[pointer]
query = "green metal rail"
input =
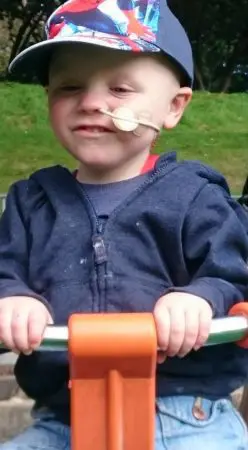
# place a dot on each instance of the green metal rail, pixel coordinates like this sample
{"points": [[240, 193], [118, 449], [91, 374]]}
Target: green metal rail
{"points": [[224, 330]]}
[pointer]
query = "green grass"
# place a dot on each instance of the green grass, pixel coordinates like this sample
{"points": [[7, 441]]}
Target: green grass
{"points": [[213, 130]]}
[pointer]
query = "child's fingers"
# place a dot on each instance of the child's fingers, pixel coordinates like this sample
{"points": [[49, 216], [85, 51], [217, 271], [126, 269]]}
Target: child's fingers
{"points": [[22, 323], [191, 332], [37, 322], [161, 357], [162, 321], [177, 331], [205, 318], [19, 329], [5, 328], [182, 323]]}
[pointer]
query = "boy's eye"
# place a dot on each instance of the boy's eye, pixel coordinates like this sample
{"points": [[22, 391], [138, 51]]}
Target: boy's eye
{"points": [[66, 89], [70, 88], [121, 89]]}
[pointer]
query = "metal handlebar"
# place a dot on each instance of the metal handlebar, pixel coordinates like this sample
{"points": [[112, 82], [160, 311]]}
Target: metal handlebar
{"points": [[113, 371], [224, 330]]}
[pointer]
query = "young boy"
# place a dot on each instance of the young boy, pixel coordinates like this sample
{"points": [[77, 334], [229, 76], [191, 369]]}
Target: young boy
{"points": [[116, 237]]}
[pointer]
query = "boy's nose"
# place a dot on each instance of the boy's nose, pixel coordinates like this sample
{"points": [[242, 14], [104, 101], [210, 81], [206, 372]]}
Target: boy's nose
{"points": [[91, 101]]}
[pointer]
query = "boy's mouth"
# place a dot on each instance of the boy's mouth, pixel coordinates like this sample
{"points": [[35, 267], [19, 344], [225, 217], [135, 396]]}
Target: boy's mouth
{"points": [[94, 129]]}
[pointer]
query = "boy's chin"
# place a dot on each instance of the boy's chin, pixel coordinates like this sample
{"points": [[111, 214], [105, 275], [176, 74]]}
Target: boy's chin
{"points": [[97, 157], [97, 164]]}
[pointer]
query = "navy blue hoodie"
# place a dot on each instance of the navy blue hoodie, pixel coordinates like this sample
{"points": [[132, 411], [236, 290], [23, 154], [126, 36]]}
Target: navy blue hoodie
{"points": [[179, 231]]}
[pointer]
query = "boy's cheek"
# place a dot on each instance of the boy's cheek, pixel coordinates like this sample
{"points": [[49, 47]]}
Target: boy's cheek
{"points": [[57, 111]]}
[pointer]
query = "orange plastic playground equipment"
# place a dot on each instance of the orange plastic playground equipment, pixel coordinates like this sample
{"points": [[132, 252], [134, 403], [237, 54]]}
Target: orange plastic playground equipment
{"points": [[112, 361], [112, 374]]}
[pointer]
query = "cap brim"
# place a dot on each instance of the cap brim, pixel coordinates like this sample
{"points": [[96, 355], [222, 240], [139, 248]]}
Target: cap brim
{"points": [[34, 61]]}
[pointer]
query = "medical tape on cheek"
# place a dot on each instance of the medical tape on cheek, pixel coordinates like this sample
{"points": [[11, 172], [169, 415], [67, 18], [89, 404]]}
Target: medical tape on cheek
{"points": [[126, 120]]}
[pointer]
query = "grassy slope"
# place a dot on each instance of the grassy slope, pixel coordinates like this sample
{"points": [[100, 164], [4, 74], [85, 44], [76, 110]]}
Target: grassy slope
{"points": [[214, 130]]}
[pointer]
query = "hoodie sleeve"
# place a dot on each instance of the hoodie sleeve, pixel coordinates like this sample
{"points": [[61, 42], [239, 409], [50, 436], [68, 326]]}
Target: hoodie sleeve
{"points": [[215, 248], [14, 261]]}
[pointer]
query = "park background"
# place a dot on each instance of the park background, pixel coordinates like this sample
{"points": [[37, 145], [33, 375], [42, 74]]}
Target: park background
{"points": [[215, 126]]}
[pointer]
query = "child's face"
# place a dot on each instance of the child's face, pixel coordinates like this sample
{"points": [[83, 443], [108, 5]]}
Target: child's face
{"points": [[80, 86]]}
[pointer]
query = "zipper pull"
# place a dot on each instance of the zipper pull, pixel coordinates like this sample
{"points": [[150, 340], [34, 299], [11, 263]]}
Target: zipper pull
{"points": [[99, 249]]}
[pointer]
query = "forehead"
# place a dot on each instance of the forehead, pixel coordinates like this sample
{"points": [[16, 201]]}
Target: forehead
{"points": [[89, 60]]}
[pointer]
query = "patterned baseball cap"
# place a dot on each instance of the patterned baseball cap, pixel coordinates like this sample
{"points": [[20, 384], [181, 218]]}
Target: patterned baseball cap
{"points": [[128, 25]]}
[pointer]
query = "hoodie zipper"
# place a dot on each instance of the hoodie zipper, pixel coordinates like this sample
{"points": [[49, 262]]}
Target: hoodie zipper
{"points": [[99, 247], [100, 263], [99, 255]]}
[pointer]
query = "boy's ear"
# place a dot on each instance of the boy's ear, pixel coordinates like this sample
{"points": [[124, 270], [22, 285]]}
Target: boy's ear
{"points": [[177, 107]]}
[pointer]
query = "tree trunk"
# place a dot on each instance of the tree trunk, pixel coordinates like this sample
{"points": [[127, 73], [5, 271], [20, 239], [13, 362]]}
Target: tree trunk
{"points": [[226, 84], [199, 78], [31, 29], [27, 22]]}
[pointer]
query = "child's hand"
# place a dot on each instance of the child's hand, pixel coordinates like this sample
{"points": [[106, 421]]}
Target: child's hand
{"points": [[182, 322], [22, 323]]}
